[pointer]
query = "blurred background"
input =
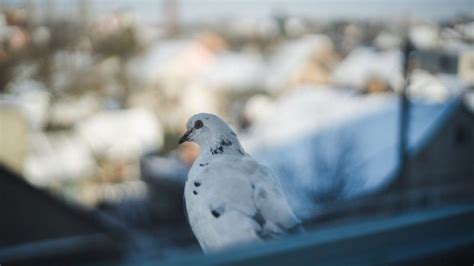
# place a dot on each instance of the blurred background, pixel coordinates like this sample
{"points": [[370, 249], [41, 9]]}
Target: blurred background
{"points": [[363, 109]]}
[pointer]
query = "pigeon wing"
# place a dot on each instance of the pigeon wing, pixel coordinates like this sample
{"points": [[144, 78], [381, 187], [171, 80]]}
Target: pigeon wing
{"points": [[271, 204]]}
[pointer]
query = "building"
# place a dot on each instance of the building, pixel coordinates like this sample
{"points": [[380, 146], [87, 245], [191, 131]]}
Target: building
{"points": [[36, 227]]}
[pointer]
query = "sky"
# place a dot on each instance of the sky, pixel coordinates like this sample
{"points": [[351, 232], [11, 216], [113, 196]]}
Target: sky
{"points": [[199, 10]]}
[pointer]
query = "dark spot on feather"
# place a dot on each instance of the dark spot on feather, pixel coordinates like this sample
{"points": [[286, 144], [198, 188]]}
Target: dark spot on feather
{"points": [[207, 118], [225, 142], [217, 150], [195, 192], [203, 164], [253, 186], [233, 134], [241, 152], [215, 213], [197, 184], [220, 149]]}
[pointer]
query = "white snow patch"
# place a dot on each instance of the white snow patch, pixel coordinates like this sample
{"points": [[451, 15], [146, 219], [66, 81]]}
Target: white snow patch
{"points": [[364, 63], [292, 56], [234, 71], [57, 157], [306, 110], [122, 135]]}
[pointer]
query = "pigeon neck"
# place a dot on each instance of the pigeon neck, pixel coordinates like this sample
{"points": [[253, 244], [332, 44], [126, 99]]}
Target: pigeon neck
{"points": [[226, 144]]}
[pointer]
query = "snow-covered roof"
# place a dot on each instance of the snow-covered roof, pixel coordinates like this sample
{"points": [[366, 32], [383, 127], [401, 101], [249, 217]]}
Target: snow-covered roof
{"points": [[435, 87], [291, 56], [57, 157], [32, 98], [147, 66], [387, 40], [305, 110], [235, 71], [353, 154], [122, 135], [365, 63], [183, 59], [425, 36], [69, 110]]}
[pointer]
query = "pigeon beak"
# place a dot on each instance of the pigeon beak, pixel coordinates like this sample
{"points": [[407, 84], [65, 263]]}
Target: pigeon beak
{"points": [[185, 137]]}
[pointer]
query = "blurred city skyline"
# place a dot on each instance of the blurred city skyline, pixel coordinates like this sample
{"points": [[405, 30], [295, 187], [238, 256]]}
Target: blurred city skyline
{"points": [[95, 94]]}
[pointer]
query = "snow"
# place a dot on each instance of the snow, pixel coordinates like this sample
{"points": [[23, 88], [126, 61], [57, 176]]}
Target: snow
{"points": [[233, 71], [57, 157], [292, 56], [305, 110], [387, 40], [68, 111], [425, 36], [351, 151], [365, 63], [32, 98], [258, 108], [149, 65], [176, 61], [436, 88], [122, 135], [468, 30]]}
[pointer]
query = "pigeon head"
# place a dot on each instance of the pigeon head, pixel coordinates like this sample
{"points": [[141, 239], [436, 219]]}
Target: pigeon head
{"points": [[210, 130]]}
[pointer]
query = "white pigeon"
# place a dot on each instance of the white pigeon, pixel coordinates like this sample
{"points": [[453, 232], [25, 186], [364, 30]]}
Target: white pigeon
{"points": [[231, 199]]}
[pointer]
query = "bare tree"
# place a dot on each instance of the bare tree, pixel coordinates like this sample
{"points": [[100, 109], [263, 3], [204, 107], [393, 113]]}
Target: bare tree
{"points": [[333, 160]]}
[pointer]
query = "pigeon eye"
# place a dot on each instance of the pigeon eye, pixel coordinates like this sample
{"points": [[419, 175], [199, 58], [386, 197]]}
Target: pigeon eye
{"points": [[198, 124]]}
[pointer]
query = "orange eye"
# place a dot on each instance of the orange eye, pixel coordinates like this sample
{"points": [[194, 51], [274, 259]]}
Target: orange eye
{"points": [[198, 124]]}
